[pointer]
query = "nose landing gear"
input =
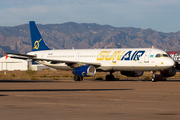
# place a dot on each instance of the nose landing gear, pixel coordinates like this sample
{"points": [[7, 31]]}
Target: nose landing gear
{"points": [[153, 76]]}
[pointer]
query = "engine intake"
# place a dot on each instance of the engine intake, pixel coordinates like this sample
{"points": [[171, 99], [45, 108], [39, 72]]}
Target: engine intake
{"points": [[85, 71], [132, 73], [169, 73]]}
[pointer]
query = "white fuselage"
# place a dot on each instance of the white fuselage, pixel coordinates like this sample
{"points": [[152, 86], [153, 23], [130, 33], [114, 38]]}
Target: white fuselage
{"points": [[125, 59]]}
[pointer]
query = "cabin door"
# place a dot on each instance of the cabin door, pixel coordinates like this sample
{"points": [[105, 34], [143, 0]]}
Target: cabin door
{"points": [[147, 55], [43, 55], [78, 56]]}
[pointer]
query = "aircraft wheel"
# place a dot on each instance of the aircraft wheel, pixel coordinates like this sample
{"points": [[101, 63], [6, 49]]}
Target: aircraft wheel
{"points": [[164, 79], [154, 80], [81, 78], [78, 78]]}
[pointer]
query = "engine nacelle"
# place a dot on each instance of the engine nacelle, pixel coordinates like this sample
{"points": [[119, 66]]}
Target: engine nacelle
{"points": [[132, 73], [85, 71], [169, 73]]}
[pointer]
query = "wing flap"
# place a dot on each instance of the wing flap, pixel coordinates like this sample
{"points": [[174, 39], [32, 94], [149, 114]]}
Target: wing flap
{"points": [[67, 62]]}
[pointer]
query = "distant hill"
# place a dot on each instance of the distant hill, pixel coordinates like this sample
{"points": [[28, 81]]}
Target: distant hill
{"points": [[86, 35]]}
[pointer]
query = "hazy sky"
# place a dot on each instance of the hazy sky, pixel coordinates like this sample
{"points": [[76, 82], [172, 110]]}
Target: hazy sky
{"points": [[161, 15]]}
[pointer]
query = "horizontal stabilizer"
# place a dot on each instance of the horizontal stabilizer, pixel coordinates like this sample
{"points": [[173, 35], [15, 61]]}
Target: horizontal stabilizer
{"points": [[24, 55], [16, 57]]}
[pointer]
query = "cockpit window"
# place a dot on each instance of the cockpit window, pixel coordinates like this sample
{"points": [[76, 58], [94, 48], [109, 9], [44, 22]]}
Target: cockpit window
{"points": [[161, 55], [158, 55], [165, 55]]}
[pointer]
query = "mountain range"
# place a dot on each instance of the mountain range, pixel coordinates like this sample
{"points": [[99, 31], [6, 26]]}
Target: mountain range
{"points": [[87, 35]]}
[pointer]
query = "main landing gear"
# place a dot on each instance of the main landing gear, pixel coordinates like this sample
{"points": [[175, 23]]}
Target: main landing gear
{"points": [[110, 77], [78, 78]]}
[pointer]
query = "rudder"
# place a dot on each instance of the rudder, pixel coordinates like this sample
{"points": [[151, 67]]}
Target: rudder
{"points": [[36, 38]]}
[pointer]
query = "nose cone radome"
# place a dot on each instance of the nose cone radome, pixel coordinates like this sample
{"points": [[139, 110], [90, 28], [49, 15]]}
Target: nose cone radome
{"points": [[170, 62]]}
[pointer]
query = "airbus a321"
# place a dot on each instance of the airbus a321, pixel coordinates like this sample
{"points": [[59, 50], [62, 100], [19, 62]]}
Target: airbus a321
{"points": [[85, 62]]}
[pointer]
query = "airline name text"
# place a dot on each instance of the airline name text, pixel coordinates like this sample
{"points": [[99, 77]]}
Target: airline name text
{"points": [[120, 55]]}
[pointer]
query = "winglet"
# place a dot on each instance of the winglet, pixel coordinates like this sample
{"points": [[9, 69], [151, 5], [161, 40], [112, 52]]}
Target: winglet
{"points": [[6, 56]]}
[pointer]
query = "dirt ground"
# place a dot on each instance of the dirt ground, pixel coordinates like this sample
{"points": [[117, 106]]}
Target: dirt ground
{"points": [[89, 100]]}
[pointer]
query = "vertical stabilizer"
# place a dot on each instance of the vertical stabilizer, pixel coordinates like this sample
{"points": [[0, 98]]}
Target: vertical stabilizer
{"points": [[36, 38]]}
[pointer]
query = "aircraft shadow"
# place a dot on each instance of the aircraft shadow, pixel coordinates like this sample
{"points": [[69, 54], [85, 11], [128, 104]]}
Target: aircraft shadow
{"points": [[127, 80], [54, 90], [130, 80], [26, 81], [3, 95], [169, 81]]}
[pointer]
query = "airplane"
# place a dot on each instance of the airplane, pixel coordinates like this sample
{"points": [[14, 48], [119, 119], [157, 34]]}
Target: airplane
{"points": [[175, 55], [85, 62]]}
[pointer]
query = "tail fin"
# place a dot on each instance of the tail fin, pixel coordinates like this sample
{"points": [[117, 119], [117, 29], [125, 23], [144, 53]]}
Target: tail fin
{"points": [[36, 39]]}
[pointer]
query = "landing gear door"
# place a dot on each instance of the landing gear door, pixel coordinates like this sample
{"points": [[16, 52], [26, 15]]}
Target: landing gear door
{"points": [[147, 55]]}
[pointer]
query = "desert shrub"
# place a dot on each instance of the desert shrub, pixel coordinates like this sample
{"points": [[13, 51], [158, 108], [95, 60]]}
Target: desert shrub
{"points": [[45, 75], [99, 78], [147, 78], [33, 78], [30, 73], [13, 75], [55, 78]]}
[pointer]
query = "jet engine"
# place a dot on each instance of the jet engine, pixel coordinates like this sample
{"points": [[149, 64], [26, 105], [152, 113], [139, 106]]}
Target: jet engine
{"points": [[132, 73], [85, 71], [169, 73]]}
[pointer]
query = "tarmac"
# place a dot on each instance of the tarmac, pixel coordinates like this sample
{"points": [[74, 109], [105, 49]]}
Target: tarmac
{"points": [[89, 100]]}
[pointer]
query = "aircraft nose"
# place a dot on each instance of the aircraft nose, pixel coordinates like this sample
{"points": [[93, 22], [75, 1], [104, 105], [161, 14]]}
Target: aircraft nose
{"points": [[170, 62]]}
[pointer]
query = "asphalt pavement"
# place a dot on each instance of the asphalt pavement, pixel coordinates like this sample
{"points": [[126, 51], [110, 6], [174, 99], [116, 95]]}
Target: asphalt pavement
{"points": [[89, 100]]}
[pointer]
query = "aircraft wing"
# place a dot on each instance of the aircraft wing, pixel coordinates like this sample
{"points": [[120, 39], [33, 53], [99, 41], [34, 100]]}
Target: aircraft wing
{"points": [[67, 62], [34, 57]]}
